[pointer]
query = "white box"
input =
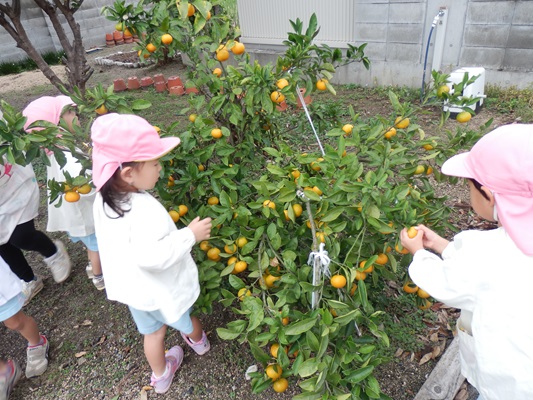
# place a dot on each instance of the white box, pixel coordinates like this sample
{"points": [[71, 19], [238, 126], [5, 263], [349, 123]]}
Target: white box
{"points": [[475, 89]]}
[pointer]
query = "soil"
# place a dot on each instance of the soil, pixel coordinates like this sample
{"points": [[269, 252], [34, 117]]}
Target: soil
{"points": [[95, 350]]}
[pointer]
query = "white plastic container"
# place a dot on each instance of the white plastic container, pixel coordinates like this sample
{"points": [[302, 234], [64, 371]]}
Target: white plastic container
{"points": [[475, 89]]}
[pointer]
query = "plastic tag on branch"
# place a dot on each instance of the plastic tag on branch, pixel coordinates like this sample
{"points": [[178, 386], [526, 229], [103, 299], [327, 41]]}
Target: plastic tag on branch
{"points": [[251, 369], [321, 259], [301, 195]]}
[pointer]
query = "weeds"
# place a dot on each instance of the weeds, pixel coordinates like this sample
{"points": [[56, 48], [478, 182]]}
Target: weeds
{"points": [[511, 101], [51, 58]]}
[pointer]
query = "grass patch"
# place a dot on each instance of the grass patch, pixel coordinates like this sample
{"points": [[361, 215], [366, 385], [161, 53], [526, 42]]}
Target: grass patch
{"points": [[51, 58], [512, 100]]}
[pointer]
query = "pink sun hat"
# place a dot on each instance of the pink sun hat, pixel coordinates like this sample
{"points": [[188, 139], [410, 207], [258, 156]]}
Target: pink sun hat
{"points": [[502, 160], [46, 108], [120, 138]]}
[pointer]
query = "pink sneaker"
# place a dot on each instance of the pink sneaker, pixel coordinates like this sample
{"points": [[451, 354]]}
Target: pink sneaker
{"points": [[200, 347], [174, 359], [9, 379]]}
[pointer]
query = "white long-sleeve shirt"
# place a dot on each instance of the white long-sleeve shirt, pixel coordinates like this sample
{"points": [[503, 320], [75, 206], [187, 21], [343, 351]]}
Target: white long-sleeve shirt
{"points": [[10, 284], [146, 260], [484, 273]]}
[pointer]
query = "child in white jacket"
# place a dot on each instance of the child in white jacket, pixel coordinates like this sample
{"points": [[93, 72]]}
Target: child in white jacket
{"points": [[146, 260], [488, 274]]}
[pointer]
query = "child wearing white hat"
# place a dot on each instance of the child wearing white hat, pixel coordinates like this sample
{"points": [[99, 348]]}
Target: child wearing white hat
{"points": [[488, 274]]}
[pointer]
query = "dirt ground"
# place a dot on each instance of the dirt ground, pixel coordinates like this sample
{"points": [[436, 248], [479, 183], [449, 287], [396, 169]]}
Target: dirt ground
{"points": [[95, 351]]}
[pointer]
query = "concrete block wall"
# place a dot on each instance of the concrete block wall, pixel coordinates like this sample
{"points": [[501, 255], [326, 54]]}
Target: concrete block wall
{"points": [[494, 34], [42, 34]]}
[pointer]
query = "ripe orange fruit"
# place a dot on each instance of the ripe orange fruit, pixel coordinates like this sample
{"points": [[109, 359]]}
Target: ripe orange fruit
{"points": [[429, 171], [412, 232], [182, 210], [242, 293], [222, 55], [119, 26], [270, 280], [241, 242], [410, 287], [232, 260], [230, 248], [368, 269], [213, 254], [72, 196], [151, 47], [212, 201], [166, 39], [295, 174], [426, 305], [217, 72], [285, 321], [238, 48], [317, 190], [216, 133], [321, 84], [314, 164], [274, 348], [280, 385], [240, 266], [286, 213], [353, 289], [174, 215], [360, 276], [273, 371], [428, 147], [201, 167], [390, 133], [298, 210], [281, 83], [419, 169], [270, 204], [443, 89], [170, 182], [463, 117], [192, 117], [347, 129], [382, 259], [321, 236], [401, 122], [190, 10], [85, 189], [400, 249], [338, 281], [204, 245], [208, 17], [277, 97], [422, 293], [101, 110]]}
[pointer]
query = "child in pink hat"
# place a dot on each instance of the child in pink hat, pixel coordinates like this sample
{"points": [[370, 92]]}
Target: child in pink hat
{"points": [[473, 271], [146, 260]]}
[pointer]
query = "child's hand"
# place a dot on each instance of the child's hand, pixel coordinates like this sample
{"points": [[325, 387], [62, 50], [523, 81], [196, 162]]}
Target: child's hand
{"points": [[432, 240], [412, 244], [201, 228]]}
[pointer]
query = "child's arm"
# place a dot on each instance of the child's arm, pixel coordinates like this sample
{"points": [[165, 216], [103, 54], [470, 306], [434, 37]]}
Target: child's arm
{"points": [[425, 239], [201, 228]]}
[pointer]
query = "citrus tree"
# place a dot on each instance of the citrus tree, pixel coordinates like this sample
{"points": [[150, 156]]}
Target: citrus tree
{"points": [[300, 239]]}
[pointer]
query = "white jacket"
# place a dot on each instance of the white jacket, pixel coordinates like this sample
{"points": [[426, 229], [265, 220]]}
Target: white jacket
{"points": [[19, 198], [10, 285], [146, 260], [74, 218], [484, 273]]}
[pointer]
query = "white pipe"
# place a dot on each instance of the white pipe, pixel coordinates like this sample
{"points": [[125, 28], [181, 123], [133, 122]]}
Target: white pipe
{"points": [[440, 36]]}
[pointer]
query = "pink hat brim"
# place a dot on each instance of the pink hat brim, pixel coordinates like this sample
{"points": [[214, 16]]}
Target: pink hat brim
{"points": [[458, 166]]}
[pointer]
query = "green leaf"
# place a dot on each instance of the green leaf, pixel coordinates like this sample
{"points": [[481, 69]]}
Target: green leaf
{"points": [[300, 327], [308, 367], [333, 214], [360, 374]]}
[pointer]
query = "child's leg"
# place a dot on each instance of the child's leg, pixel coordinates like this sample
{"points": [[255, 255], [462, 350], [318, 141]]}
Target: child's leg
{"points": [[18, 264], [26, 237], [154, 350], [197, 338], [197, 331], [26, 326], [94, 258]]}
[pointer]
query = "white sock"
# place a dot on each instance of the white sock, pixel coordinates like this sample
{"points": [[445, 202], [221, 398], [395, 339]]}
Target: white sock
{"points": [[166, 370]]}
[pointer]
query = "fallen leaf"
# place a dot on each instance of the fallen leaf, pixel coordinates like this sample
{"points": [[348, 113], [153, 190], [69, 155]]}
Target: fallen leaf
{"points": [[102, 340], [436, 352], [398, 353], [434, 337], [80, 354], [147, 388], [144, 395], [425, 358], [86, 323]]}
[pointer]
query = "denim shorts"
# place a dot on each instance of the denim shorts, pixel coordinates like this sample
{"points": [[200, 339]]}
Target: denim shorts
{"points": [[13, 306], [151, 321], [89, 241]]}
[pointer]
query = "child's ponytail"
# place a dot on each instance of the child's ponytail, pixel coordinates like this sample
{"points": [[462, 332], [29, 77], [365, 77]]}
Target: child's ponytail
{"points": [[115, 192]]}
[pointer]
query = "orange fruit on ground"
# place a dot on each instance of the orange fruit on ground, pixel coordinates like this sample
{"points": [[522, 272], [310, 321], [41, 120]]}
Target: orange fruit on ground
{"points": [[239, 267], [85, 189], [426, 305], [230, 248], [222, 55], [422, 293], [217, 72], [360, 276], [273, 371], [429, 171], [166, 38], [151, 47], [347, 129], [192, 117], [338, 281], [412, 232], [410, 287], [428, 147], [390, 133], [101, 110], [238, 48], [368, 269], [270, 204], [321, 84], [216, 133], [242, 293], [190, 10], [183, 209], [241, 242], [419, 169], [277, 97], [400, 249], [281, 83], [280, 385], [204, 245], [382, 259], [270, 280], [174, 215], [298, 210], [212, 201], [213, 254], [401, 122], [201, 167], [463, 117], [72, 196]]}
